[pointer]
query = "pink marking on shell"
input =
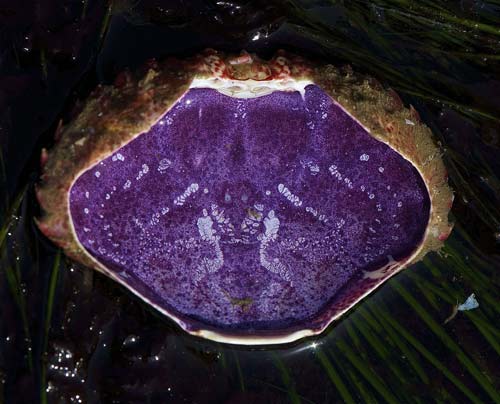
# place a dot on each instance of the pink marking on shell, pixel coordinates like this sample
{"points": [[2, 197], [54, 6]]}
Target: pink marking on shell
{"points": [[39, 195], [52, 230], [44, 156], [443, 236], [244, 58]]}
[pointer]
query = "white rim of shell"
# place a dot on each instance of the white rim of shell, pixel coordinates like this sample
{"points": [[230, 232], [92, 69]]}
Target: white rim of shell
{"points": [[251, 88]]}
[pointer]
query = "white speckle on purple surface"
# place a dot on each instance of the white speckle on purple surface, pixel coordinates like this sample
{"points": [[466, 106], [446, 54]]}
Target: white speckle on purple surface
{"points": [[118, 157], [164, 165], [289, 195], [144, 170], [180, 200]]}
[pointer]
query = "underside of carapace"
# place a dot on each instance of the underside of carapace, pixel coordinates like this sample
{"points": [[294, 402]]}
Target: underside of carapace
{"points": [[251, 201]]}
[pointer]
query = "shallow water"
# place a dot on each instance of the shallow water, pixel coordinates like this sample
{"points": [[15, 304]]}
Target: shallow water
{"points": [[67, 334]]}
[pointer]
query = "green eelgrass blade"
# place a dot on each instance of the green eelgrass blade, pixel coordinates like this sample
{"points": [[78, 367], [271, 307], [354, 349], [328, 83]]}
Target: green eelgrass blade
{"points": [[283, 390], [287, 380], [105, 22], [443, 15], [367, 373], [475, 278], [222, 357], [84, 9], [399, 343], [50, 296], [238, 369], [4, 230], [360, 349], [382, 64], [482, 211], [437, 329], [48, 320], [361, 389], [3, 177], [375, 343], [334, 376], [350, 374], [381, 313], [14, 282], [489, 333], [471, 274], [13, 275]]}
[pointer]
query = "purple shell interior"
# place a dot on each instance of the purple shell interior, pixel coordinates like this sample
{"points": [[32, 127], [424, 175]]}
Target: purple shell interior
{"points": [[249, 214]]}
